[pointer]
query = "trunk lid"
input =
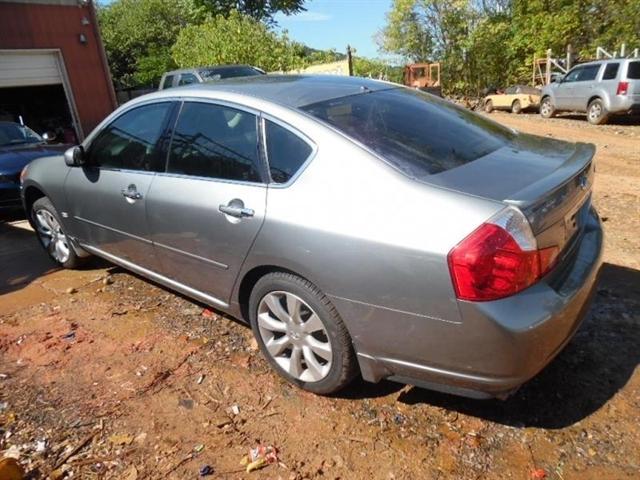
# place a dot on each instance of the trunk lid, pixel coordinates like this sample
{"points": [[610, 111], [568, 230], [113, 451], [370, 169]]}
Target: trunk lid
{"points": [[549, 180]]}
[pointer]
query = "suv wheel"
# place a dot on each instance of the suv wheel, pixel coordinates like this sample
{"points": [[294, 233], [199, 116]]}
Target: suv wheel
{"points": [[51, 235], [596, 112], [516, 107], [547, 110], [488, 106], [301, 334]]}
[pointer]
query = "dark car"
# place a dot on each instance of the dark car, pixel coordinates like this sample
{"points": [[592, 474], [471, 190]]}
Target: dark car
{"points": [[188, 76], [18, 146]]}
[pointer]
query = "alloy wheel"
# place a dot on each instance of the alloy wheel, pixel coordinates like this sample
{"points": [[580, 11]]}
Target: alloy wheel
{"points": [[595, 111], [51, 235], [294, 336]]}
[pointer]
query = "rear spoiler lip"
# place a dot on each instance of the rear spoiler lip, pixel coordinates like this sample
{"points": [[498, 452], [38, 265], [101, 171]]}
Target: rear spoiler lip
{"points": [[539, 201], [580, 158]]}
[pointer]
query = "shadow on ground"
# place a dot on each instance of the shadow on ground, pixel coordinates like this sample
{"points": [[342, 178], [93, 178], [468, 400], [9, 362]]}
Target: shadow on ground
{"points": [[596, 364]]}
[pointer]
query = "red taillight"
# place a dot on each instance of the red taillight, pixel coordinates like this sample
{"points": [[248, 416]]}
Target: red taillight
{"points": [[623, 88], [498, 259]]}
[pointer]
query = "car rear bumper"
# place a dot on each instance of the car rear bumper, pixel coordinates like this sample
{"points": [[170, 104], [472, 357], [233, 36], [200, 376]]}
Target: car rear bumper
{"points": [[499, 345]]}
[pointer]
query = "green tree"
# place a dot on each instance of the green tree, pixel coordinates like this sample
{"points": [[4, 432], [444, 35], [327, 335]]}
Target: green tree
{"points": [[138, 34], [236, 38], [262, 10]]}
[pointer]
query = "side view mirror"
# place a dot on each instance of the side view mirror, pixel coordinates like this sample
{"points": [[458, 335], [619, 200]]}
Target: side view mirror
{"points": [[74, 157], [49, 136]]}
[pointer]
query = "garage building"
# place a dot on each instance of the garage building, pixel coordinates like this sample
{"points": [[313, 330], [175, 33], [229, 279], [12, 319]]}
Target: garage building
{"points": [[54, 74]]}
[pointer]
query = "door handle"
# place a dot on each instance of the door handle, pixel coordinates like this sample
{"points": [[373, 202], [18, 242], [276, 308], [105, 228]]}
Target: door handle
{"points": [[131, 192], [236, 208]]}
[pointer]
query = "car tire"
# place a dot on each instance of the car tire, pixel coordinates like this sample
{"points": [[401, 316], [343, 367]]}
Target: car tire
{"points": [[488, 106], [547, 110], [597, 114], [46, 221], [310, 348], [516, 107]]}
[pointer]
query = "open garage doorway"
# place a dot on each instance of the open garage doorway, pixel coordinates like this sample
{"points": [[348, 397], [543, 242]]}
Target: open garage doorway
{"points": [[43, 108]]}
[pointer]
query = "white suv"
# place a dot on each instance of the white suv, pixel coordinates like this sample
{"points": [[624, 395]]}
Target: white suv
{"points": [[601, 89]]}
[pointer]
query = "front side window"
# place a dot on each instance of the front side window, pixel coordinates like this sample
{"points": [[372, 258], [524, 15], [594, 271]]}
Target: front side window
{"points": [[610, 71], [418, 133], [573, 75], [286, 152], [187, 79], [168, 82], [130, 141], [215, 141]]}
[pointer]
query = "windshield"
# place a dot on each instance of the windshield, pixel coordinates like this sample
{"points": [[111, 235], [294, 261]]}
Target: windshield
{"points": [[15, 134], [228, 72], [418, 133]]}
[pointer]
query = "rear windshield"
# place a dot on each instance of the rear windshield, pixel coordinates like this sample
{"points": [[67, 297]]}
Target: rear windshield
{"points": [[228, 72], [633, 71], [418, 133]]}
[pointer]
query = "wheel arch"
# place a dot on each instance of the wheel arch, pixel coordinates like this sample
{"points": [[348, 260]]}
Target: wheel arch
{"points": [[32, 193], [595, 97], [249, 280]]}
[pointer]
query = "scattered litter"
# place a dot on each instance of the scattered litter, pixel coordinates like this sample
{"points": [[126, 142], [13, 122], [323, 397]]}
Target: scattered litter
{"points": [[41, 446], [233, 410], [207, 313], [206, 470], [3, 376], [121, 439], [10, 469], [260, 457], [538, 474], [198, 448], [69, 336], [200, 379], [72, 290]]}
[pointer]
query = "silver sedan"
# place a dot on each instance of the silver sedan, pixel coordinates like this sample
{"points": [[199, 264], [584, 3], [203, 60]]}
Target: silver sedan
{"points": [[360, 227]]}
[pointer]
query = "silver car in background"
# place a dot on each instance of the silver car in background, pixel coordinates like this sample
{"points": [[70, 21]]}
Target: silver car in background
{"points": [[358, 226], [601, 89]]}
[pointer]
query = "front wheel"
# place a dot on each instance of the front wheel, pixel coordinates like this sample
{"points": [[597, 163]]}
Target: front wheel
{"points": [[301, 334], [547, 110], [51, 235], [596, 112], [488, 106], [516, 107]]}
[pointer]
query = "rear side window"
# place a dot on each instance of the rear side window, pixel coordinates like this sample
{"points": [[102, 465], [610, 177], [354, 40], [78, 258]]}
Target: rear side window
{"points": [[633, 71], [611, 71], [286, 152], [215, 141], [168, 82], [187, 79], [129, 142], [418, 133]]}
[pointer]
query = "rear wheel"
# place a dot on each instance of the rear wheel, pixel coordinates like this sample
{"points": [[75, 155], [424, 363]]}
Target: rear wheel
{"points": [[596, 112], [547, 110], [488, 106], [51, 235], [301, 334], [516, 107]]}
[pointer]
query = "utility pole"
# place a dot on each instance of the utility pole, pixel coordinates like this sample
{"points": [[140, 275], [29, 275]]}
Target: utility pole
{"points": [[350, 60]]}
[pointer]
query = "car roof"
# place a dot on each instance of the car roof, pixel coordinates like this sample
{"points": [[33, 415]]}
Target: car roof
{"points": [[208, 68], [289, 90], [605, 60]]}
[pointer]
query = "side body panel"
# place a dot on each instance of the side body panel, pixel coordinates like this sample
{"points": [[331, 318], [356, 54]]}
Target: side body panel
{"points": [[195, 242]]}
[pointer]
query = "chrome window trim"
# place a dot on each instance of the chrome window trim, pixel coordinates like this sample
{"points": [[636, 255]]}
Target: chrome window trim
{"points": [[314, 148]]}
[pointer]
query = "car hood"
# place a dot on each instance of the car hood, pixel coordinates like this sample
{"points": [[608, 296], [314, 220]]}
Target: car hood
{"points": [[13, 159]]}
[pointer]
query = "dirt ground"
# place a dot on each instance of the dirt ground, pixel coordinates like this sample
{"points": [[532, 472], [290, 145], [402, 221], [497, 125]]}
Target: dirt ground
{"points": [[104, 375]]}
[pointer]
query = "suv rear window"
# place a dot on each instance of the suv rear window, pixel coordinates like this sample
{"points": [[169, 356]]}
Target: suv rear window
{"points": [[633, 71], [418, 133]]}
